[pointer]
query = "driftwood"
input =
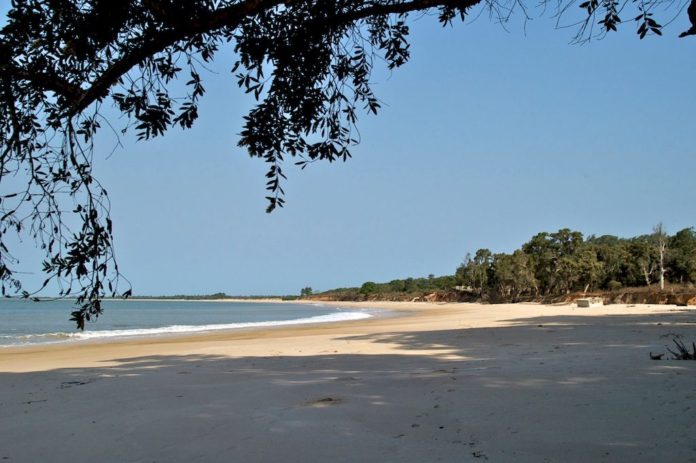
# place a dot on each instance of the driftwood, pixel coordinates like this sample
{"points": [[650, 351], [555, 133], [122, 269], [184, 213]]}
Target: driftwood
{"points": [[682, 351]]}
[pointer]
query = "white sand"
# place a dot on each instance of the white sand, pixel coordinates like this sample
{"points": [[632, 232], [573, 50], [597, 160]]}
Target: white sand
{"points": [[452, 383]]}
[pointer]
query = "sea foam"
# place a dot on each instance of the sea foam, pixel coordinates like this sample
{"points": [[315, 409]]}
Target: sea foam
{"points": [[175, 329]]}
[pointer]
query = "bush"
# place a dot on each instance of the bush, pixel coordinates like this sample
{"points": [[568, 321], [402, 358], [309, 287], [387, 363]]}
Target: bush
{"points": [[368, 287]]}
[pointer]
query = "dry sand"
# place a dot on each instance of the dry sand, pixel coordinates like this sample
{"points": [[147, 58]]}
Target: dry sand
{"points": [[447, 382]]}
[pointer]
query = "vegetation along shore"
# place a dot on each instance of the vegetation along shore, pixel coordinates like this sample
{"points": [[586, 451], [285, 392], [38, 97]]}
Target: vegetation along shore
{"points": [[556, 267]]}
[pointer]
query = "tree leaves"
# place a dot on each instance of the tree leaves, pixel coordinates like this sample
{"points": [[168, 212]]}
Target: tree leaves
{"points": [[647, 24], [308, 65]]}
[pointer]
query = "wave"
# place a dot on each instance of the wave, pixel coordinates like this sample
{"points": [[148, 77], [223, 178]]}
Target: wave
{"points": [[176, 329]]}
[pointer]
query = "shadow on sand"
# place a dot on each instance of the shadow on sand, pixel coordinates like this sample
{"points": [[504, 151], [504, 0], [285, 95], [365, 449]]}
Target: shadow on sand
{"points": [[540, 389]]}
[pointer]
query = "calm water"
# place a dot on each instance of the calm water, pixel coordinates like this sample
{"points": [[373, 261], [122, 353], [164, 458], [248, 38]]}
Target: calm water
{"points": [[26, 322]]}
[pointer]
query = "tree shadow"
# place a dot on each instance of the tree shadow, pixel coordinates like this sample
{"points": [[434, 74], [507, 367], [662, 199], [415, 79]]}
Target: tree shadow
{"points": [[576, 388]]}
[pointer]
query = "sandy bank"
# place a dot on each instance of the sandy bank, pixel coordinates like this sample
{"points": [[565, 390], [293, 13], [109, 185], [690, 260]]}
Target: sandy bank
{"points": [[446, 382]]}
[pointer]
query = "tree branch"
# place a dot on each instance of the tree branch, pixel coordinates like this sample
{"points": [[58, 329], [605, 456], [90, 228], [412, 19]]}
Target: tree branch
{"points": [[405, 7], [231, 16], [159, 40], [44, 80], [225, 17]]}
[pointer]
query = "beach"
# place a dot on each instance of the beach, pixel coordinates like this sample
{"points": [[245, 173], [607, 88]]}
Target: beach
{"points": [[433, 382]]}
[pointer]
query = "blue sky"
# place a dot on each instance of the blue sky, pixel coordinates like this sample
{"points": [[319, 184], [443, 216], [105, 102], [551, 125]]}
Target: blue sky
{"points": [[486, 137]]}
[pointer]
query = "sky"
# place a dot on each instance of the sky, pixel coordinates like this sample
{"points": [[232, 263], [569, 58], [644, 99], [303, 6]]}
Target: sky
{"points": [[486, 137]]}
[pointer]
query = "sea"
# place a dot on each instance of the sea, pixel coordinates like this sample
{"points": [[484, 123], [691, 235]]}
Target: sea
{"points": [[25, 322]]}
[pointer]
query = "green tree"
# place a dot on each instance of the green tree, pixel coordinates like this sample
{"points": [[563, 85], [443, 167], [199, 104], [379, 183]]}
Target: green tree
{"points": [[307, 291], [409, 285], [369, 287], [307, 63], [474, 271], [682, 256], [446, 283], [557, 262], [613, 254], [511, 277], [543, 258], [589, 268], [396, 286], [644, 260]]}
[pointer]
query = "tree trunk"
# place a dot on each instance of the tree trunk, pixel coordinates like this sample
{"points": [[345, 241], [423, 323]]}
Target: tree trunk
{"points": [[646, 274], [662, 267], [661, 247]]}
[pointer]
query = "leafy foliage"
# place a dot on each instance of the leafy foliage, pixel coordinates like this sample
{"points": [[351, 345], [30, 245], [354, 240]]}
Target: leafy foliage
{"points": [[405, 289], [552, 264], [548, 265], [307, 64]]}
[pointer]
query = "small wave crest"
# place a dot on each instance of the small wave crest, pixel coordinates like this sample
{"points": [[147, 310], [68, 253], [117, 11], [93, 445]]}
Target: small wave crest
{"points": [[31, 337], [176, 329]]}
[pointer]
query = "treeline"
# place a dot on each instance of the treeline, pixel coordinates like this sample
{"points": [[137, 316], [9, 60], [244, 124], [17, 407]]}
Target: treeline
{"points": [[559, 263], [554, 264], [408, 288]]}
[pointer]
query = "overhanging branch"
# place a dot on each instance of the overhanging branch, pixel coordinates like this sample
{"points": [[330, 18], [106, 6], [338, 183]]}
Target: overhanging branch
{"points": [[45, 80], [227, 17]]}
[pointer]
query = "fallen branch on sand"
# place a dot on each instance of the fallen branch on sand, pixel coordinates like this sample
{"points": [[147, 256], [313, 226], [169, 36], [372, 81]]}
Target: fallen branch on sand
{"points": [[683, 351]]}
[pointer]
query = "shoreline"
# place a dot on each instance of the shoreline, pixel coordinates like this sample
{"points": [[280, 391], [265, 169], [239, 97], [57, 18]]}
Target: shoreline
{"points": [[487, 316], [438, 382], [154, 334], [62, 348]]}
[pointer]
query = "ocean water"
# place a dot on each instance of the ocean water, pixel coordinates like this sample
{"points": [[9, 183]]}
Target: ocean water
{"points": [[25, 322]]}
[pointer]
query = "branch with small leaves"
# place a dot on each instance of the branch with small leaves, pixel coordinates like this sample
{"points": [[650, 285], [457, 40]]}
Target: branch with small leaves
{"points": [[308, 65]]}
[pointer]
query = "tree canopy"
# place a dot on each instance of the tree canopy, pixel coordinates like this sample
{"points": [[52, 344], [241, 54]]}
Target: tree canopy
{"points": [[307, 63], [552, 265]]}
